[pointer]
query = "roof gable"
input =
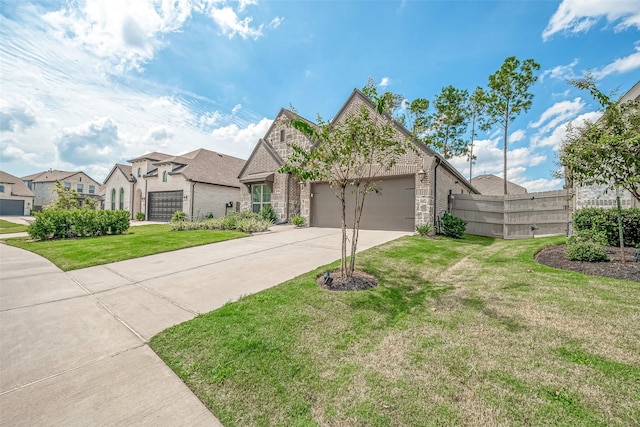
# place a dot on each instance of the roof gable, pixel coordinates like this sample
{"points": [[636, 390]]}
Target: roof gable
{"points": [[125, 170], [262, 146], [17, 185]]}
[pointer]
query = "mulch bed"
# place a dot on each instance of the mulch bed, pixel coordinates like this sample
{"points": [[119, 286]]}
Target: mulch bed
{"points": [[554, 256], [360, 281]]}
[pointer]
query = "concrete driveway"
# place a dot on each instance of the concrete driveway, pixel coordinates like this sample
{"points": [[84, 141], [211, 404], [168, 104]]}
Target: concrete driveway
{"points": [[73, 346]]}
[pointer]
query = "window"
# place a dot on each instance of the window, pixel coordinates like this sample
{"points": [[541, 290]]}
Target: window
{"points": [[260, 196], [282, 135], [121, 198], [92, 189], [165, 174], [139, 171], [80, 188], [1, 188], [67, 185], [113, 199]]}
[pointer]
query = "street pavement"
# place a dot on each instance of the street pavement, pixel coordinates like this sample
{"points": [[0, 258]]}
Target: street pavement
{"points": [[73, 346]]}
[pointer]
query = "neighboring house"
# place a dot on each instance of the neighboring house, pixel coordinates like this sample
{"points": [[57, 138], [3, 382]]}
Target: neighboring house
{"points": [[415, 191], [492, 185], [601, 195], [199, 183], [42, 184], [15, 197]]}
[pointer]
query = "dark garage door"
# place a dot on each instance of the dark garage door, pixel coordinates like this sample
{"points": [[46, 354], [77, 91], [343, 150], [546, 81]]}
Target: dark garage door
{"points": [[162, 204], [391, 209], [11, 207]]}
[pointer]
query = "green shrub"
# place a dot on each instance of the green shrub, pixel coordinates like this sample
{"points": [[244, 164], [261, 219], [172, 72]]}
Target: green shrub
{"points": [[587, 245], [453, 226], [64, 224], [606, 220], [268, 213], [298, 220], [424, 229], [140, 216], [178, 216], [245, 221]]}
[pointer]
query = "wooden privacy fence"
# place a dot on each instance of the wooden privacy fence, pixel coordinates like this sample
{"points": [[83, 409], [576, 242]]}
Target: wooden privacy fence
{"points": [[514, 216]]}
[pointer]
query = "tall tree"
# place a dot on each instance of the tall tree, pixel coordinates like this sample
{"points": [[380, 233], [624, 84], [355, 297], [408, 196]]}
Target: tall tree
{"points": [[449, 122], [350, 155], [606, 152], [509, 95], [476, 106]]}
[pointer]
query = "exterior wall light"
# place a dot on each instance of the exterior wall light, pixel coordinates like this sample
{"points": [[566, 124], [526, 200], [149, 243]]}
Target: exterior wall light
{"points": [[421, 175]]}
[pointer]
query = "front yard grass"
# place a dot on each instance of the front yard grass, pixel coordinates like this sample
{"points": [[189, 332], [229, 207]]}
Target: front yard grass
{"points": [[7, 227], [465, 332], [139, 241]]}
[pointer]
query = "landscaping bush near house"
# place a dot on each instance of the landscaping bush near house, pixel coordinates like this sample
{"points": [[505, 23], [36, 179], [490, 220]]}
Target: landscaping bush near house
{"points": [[607, 221], [178, 216], [424, 229], [244, 221], [140, 216], [587, 245], [64, 224], [453, 226], [268, 213], [298, 220]]}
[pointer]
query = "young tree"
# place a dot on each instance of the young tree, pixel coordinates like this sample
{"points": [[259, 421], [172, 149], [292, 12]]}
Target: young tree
{"points": [[476, 106], [509, 95], [449, 122], [350, 155], [66, 199], [607, 151]]}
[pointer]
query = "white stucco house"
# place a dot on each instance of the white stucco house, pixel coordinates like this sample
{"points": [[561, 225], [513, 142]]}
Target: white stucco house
{"points": [[199, 183]]}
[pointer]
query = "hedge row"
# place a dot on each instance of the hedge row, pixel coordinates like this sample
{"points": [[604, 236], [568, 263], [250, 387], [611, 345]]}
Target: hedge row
{"points": [[64, 224], [245, 221], [606, 220]]}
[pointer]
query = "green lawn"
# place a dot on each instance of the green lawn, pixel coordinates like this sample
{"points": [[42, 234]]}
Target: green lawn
{"points": [[459, 333], [7, 227], [139, 241]]}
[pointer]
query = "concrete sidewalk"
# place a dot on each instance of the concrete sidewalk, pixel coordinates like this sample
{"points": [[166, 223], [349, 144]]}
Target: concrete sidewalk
{"points": [[73, 345]]}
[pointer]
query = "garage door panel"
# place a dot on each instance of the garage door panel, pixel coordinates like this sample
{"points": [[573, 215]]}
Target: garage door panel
{"points": [[163, 204], [11, 207], [393, 208]]}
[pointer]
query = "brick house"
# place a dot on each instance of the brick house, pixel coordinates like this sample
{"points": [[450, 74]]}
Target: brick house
{"points": [[198, 183], [600, 195], [415, 191], [15, 196], [42, 184]]}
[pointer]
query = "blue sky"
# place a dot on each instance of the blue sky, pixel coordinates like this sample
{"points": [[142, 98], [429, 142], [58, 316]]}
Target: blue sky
{"points": [[88, 83]]}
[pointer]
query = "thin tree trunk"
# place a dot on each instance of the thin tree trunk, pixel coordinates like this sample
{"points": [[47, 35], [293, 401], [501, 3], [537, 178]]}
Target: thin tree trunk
{"points": [[506, 131], [473, 132], [343, 261], [620, 229], [356, 228]]}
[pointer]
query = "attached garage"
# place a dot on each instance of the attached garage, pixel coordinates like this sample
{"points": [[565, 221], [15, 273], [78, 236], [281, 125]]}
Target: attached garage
{"points": [[11, 207], [162, 205], [393, 208]]}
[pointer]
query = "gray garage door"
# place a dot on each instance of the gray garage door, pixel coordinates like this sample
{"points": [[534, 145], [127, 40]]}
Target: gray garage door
{"points": [[393, 208], [11, 207], [162, 204]]}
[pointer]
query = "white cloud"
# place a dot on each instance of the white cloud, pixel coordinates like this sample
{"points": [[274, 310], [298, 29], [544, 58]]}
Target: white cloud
{"points": [[235, 109], [490, 158], [620, 65], [276, 22], [84, 143], [240, 140], [231, 25], [555, 138], [575, 16], [384, 82], [517, 136], [557, 113], [561, 72], [541, 184]]}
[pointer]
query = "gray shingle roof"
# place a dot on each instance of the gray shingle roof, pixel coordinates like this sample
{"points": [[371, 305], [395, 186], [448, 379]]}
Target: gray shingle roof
{"points": [[154, 156], [492, 185], [17, 185], [207, 166]]}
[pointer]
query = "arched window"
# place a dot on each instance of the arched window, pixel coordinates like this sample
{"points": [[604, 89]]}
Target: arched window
{"points": [[165, 174], [113, 199], [138, 172], [121, 198]]}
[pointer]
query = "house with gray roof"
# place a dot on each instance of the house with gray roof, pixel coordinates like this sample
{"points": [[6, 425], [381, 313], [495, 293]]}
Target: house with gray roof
{"points": [[42, 185], [492, 185], [199, 183], [15, 196]]}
